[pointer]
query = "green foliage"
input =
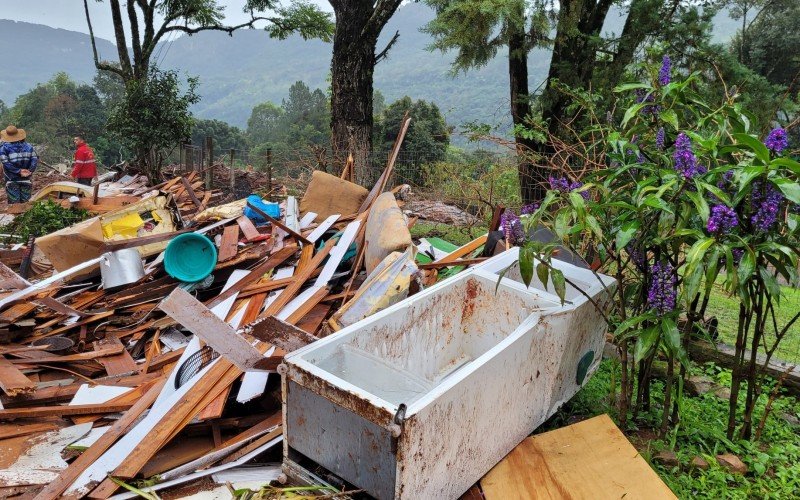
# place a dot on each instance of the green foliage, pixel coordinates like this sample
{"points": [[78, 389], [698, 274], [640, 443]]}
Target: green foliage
{"points": [[225, 136], [427, 138], [53, 113], [153, 117], [302, 121], [44, 217]]}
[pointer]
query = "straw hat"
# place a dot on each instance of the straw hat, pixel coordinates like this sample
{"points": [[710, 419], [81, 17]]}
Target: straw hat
{"points": [[12, 134]]}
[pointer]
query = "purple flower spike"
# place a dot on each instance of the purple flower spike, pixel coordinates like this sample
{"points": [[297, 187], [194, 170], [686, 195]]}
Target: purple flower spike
{"points": [[562, 184], [722, 220], [660, 139], [512, 228], [662, 294], [529, 209], [765, 201], [777, 141], [685, 160], [664, 72]]}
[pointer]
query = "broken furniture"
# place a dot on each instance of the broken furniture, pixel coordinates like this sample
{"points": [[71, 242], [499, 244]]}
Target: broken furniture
{"points": [[402, 395]]}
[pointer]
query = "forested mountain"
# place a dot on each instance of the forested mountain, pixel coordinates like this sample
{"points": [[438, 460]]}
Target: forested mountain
{"points": [[238, 72]]}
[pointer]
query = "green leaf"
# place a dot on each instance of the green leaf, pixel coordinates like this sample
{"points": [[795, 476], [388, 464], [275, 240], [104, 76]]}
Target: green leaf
{"points": [[591, 221], [500, 277], [792, 165], [631, 322], [542, 272], [755, 145], [701, 204], [526, 257], [746, 266], [696, 252], [656, 202], [645, 342], [626, 232], [631, 112], [559, 283], [672, 337], [773, 288], [669, 116], [625, 87], [790, 189]]}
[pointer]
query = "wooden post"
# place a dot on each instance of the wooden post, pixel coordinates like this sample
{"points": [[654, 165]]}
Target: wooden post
{"points": [[189, 159], [210, 161], [269, 172], [181, 154], [233, 174]]}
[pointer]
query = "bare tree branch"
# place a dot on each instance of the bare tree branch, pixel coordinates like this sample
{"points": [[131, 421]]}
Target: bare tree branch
{"points": [[382, 54], [97, 64]]}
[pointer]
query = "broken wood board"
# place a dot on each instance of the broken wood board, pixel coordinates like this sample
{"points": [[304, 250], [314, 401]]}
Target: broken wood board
{"points": [[12, 381], [590, 459], [36, 459], [229, 243]]}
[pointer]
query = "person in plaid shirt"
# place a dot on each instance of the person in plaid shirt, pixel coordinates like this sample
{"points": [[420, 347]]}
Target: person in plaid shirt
{"points": [[19, 161]]}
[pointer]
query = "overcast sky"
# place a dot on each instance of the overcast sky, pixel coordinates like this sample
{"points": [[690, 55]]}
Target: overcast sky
{"points": [[69, 14]]}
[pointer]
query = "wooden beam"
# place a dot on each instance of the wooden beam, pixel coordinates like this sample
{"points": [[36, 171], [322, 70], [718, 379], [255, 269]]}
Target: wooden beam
{"points": [[190, 192], [300, 278], [181, 306], [463, 250], [276, 222], [12, 381], [61, 411], [278, 333], [111, 246], [229, 244], [256, 274], [55, 488], [248, 229]]}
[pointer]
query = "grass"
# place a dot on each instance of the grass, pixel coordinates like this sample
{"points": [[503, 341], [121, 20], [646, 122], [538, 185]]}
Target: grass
{"points": [[773, 463], [726, 309], [455, 235]]}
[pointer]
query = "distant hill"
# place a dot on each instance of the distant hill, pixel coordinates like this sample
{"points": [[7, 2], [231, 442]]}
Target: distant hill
{"points": [[238, 72]]}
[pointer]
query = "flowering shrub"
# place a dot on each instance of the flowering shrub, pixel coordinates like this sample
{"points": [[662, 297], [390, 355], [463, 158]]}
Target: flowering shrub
{"points": [[691, 195]]}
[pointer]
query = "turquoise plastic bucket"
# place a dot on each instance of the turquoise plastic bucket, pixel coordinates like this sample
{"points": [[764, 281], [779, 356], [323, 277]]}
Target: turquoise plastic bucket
{"points": [[190, 257]]}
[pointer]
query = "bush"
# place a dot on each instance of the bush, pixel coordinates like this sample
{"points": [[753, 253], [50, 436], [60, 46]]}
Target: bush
{"points": [[44, 217]]}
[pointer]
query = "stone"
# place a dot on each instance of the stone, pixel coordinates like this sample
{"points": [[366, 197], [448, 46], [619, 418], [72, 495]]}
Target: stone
{"points": [[732, 463], [723, 393], [667, 458], [699, 463], [699, 384]]}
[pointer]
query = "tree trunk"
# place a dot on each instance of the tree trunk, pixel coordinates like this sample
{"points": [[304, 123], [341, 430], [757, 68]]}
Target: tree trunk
{"points": [[532, 178], [358, 25]]}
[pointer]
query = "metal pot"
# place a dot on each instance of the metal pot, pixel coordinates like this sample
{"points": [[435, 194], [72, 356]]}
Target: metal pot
{"points": [[121, 268]]}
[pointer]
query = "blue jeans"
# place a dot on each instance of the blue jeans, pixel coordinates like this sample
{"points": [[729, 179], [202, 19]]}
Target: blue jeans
{"points": [[18, 191]]}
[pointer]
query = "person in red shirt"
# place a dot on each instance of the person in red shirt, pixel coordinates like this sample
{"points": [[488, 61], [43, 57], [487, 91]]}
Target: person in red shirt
{"points": [[84, 168]]}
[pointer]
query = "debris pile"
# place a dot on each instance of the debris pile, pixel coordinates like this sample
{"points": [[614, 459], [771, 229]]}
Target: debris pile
{"points": [[140, 347]]}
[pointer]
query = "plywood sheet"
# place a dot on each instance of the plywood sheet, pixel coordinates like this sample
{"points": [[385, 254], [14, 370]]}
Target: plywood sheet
{"points": [[588, 460]]}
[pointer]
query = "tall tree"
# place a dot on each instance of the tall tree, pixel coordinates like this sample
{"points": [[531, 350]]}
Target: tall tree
{"points": [[358, 25], [478, 30], [149, 22]]}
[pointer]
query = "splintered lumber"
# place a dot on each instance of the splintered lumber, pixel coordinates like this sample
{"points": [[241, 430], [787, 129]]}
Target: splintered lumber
{"points": [[15, 430], [62, 411], [379, 186], [463, 250], [181, 306], [12, 381], [248, 229], [229, 243], [256, 274], [300, 278], [279, 333], [278, 223], [191, 193], [115, 364], [590, 459], [67, 477]]}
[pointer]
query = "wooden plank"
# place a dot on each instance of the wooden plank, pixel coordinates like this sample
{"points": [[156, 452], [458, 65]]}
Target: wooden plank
{"points": [[40, 357], [190, 192], [229, 244], [379, 186], [278, 333], [16, 430], [457, 262], [300, 278], [116, 364], [313, 320], [121, 426], [276, 222], [181, 306], [256, 274], [248, 229], [61, 411], [463, 250], [590, 459], [111, 246], [307, 305], [12, 381]]}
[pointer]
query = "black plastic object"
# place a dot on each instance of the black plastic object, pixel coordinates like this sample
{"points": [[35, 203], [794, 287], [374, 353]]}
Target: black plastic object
{"points": [[194, 364]]}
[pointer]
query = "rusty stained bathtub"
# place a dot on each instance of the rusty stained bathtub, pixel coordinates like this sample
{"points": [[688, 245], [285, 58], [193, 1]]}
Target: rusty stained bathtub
{"points": [[422, 399]]}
